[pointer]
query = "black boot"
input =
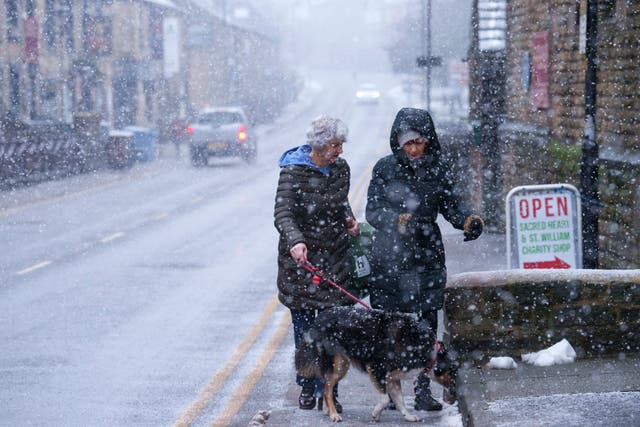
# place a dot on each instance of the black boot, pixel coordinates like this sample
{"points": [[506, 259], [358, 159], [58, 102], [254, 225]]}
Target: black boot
{"points": [[307, 399], [424, 399]]}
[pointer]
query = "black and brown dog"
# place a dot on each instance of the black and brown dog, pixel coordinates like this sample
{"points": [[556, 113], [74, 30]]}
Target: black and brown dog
{"points": [[388, 346]]}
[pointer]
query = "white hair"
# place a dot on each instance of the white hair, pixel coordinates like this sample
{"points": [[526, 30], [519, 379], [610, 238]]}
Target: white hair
{"points": [[323, 129]]}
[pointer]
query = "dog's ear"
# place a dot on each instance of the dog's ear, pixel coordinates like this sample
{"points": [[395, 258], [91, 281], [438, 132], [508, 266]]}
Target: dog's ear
{"points": [[446, 364], [445, 360], [445, 372]]}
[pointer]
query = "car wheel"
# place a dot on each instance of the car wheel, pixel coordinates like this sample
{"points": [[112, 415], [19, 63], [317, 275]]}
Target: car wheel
{"points": [[250, 156], [197, 157]]}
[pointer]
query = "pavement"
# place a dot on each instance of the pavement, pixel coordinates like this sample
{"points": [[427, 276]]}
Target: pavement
{"points": [[588, 392]]}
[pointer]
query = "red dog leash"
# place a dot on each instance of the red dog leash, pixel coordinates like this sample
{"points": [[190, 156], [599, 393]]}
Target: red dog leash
{"points": [[318, 277]]}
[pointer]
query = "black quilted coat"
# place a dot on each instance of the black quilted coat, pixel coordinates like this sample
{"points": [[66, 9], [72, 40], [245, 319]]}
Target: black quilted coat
{"points": [[312, 208], [409, 269]]}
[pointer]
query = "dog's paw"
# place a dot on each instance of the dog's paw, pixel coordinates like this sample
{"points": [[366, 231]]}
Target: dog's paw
{"points": [[412, 418], [336, 418], [375, 415]]}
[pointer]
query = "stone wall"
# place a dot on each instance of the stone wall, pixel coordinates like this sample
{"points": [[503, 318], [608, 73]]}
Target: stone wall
{"points": [[36, 151], [513, 312]]}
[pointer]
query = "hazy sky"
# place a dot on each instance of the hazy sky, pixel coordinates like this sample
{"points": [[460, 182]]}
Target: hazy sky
{"points": [[352, 34]]}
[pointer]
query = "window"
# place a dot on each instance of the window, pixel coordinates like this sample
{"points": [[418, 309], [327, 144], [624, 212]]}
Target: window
{"points": [[12, 20], [29, 8], [49, 30], [14, 88]]}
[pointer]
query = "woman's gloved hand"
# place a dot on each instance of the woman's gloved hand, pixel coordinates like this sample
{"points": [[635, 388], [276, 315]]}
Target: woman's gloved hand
{"points": [[353, 228], [473, 226], [299, 253], [403, 220]]}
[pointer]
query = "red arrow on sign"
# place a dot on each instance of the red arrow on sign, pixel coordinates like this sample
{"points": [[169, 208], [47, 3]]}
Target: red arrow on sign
{"points": [[556, 263]]}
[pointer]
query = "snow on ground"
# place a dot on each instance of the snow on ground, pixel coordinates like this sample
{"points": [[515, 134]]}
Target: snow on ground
{"points": [[502, 362], [559, 353]]}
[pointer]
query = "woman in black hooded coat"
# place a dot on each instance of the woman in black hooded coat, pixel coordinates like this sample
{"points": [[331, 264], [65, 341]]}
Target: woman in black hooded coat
{"points": [[408, 189]]}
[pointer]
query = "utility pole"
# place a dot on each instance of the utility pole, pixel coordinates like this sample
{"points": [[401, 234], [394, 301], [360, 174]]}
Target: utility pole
{"points": [[428, 54], [423, 44], [490, 58], [589, 163], [426, 60]]}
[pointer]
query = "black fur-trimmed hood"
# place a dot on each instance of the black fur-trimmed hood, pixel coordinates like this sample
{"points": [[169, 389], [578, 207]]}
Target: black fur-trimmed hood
{"points": [[419, 121]]}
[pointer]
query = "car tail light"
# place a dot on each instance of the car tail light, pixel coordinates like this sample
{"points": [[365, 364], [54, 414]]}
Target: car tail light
{"points": [[242, 133], [189, 130]]}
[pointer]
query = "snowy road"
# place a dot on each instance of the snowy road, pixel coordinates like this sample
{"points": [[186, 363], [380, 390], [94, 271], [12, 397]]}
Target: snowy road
{"points": [[145, 297]]}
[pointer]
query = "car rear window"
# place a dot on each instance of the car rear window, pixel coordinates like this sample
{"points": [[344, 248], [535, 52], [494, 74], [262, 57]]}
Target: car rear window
{"points": [[219, 118]]}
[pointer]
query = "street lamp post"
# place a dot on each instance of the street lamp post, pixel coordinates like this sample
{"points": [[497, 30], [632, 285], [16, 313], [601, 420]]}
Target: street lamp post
{"points": [[589, 163]]}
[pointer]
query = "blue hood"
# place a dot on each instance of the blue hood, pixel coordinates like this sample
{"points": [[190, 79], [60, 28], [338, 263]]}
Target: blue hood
{"points": [[300, 156]]}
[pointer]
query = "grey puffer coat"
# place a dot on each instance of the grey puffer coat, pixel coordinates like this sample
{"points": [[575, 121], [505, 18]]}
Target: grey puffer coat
{"points": [[409, 269], [312, 208]]}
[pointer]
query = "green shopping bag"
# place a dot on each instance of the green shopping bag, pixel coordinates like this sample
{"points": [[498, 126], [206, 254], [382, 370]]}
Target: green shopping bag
{"points": [[360, 252]]}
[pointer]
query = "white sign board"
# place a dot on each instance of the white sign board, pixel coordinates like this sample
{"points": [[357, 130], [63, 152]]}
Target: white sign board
{"points": [[544, 227], [171, 46]]}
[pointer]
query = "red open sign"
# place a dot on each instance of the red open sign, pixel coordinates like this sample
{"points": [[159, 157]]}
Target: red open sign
{"points": [[543, 227]]}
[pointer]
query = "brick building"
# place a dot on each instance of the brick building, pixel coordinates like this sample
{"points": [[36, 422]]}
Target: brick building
{"points": [[133, 62], [61, 57], [542, 127]]}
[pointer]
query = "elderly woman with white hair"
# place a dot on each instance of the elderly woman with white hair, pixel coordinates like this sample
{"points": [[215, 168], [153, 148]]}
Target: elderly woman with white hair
{"points": [[315, 222]]}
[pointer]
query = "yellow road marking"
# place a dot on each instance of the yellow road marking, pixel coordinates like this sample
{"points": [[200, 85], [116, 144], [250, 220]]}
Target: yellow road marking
{"points": [[33, 267], [241, 393], [214, 384], [159, 216], [114, 236], [359, 192], [356, 187]]}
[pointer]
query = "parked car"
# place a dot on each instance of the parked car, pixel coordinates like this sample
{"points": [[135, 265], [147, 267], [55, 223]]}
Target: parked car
{"points": [[221, 132], [367, 93]]}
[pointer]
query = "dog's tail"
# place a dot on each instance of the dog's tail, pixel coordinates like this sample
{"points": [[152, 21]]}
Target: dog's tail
{"points": [[307, 360]]}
